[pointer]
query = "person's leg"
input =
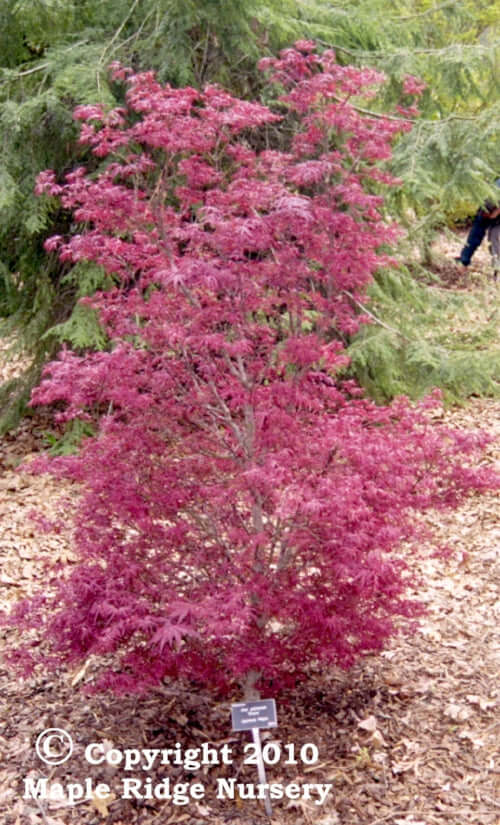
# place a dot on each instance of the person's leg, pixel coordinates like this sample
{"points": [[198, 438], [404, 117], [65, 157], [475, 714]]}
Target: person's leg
{"points": [[474, 238], [494, 239]]}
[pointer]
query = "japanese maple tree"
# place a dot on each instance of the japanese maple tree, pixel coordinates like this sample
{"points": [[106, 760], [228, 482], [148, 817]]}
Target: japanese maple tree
{"points": [[242, 507]]}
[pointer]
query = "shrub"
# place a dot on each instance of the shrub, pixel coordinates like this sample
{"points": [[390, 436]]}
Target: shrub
{"points": [[242, 508]]}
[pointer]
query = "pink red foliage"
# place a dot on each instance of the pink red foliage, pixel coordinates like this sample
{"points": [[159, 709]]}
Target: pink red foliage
{"points": [[242, 508]]}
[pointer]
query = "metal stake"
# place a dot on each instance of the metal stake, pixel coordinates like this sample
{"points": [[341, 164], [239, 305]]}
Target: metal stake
{"points": [[261, 770]]}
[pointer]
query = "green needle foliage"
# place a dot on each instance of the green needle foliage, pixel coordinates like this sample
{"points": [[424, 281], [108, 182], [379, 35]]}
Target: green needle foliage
{"points": [[426, 337]]}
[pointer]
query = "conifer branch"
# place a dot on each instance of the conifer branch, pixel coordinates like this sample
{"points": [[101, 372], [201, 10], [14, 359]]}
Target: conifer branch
{"points": [[41, 66], [369, 54], [425, 13]]}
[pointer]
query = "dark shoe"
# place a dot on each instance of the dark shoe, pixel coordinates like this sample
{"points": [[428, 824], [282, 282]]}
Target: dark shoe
{"points": [[459, 261]]}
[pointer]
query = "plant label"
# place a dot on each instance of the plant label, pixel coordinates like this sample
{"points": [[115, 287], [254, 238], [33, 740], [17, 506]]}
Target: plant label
{"points": [[248, 715]]}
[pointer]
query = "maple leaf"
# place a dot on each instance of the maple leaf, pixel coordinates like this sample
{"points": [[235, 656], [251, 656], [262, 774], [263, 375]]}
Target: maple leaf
{"points": [[170, 634]]}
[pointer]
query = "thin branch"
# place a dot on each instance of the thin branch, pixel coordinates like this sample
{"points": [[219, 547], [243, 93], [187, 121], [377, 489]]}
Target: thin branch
{"points": [[364, 53], [425, 13], [383, 116], [41, 66], [117, 32], [133, 36], [42, 811], [226, 415], [374, 317], [38, 68], [204, 60]]}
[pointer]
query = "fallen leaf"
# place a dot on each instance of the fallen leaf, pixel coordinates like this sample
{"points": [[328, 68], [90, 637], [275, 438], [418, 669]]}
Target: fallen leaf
{"points": [[457, 712], [377, 739], [330, 819], [101, 804], [410, 822], [80, 673], [203, 810], [483, 703], [476, 741], [369, 724]]}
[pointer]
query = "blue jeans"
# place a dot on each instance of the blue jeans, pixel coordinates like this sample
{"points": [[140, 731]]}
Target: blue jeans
{"points": [[475, 236]]}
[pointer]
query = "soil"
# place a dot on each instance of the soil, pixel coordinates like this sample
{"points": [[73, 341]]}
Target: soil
{"points": [[451, 274]]}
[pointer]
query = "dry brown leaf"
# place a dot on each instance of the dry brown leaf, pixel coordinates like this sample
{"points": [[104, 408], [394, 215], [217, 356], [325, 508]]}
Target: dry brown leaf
{"points": [[458, 713], [369, 724], [332, 818], [101, 804], [377, 740], [79, 674], [483, 703]]}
